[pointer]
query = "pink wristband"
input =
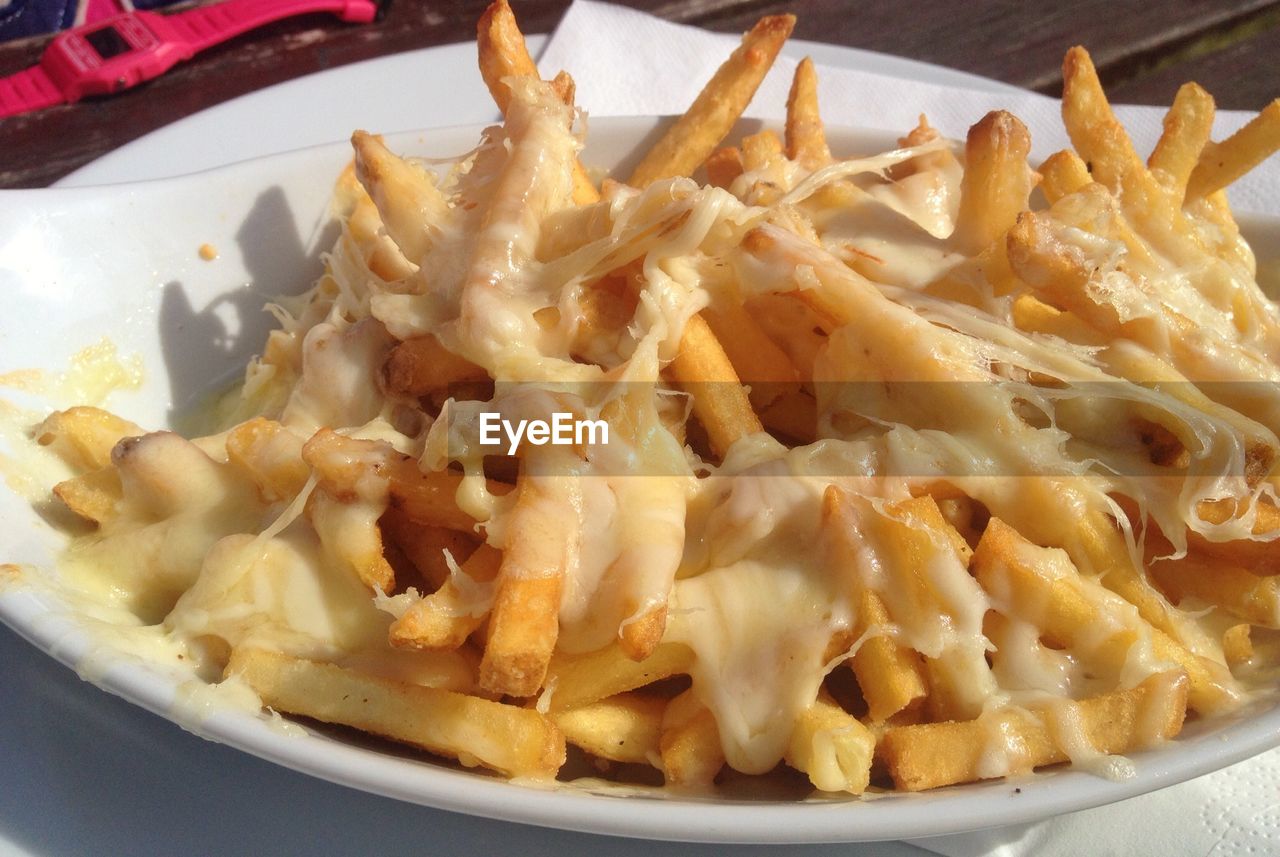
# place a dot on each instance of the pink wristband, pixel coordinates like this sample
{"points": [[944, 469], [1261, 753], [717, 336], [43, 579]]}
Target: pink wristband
{"points": [[31, 89], [206, 26], [124, 50]]}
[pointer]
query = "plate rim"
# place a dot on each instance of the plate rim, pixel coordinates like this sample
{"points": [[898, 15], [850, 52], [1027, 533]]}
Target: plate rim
{"points": [[123, 163], [954, 810]]}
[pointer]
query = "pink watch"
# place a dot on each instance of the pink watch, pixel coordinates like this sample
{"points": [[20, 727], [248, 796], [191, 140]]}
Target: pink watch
{"points": [[125, 50]]}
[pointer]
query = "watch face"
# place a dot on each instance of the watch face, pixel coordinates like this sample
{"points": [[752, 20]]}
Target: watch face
{"points": [[108, 42]]}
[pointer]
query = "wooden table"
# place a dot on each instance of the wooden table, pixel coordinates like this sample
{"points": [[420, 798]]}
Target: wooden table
{"points": [[1144, 50]]}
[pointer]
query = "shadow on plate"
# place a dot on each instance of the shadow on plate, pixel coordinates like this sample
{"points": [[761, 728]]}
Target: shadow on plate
{"points": [[207, 348]]}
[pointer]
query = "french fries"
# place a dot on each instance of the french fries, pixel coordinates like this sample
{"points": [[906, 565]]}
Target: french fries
{"points": [[1187, 126], [900, 494], [271, 455], [1097, 135], [503, 54], [623, 728], [83, 437], [1262, 557], [1075, 611], [350, 538], [719, 401], [541, 545], [723, 166], [690, 743], [578, 680], [93, 495], [502, 51], [997, 180], [348, 468], [1222, 163], [1252, 597], [930, 755], [417, 367], [428, 549], [833, 747], [806, 140], [764, 368], [1062, 174], [518, 742], [445, 618], [891, 676], [403, 193], [695, 135]]}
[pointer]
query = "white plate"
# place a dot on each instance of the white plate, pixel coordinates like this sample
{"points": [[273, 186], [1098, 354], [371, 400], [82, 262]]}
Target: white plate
{"points": [[80, 263], [427, 88]]}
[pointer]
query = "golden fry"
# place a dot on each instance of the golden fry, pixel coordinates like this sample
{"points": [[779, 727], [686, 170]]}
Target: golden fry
{"points": [[1259, 557], [1237, 646], [83, 437], [1040, 585], [724, 166], [503, 54], [1098, 136], [624, 728], [806, 140], [518, 742], [93, 496], [1254, 598], [719, 401], [690, 743], [930, 755], [1062, 174], [409, 204], [351, 539], [1222, 163], [641, 636], [890, 675], [541, 544], [1058, 273], [794, 415], [833, 747], [760, 150], [425, 546], [695, 135], [1032, 314], [1187, 126], [271, 455], [583, 679], [763, 367], [345, 467], [997, 180], [502, 51], [420, 366], [445, 618], [366, 229]]}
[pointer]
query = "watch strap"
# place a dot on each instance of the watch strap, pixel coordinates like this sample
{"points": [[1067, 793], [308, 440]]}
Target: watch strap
{"points": [[180, 36], [206, 26], [29, 89]]}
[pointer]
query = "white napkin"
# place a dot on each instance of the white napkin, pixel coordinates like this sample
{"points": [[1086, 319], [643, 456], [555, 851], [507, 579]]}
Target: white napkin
{"points": [[628, 63], [1235, 811]]}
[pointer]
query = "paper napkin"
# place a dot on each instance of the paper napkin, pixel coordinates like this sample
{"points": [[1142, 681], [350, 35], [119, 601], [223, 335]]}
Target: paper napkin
{"points": [[1235, 811]]}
